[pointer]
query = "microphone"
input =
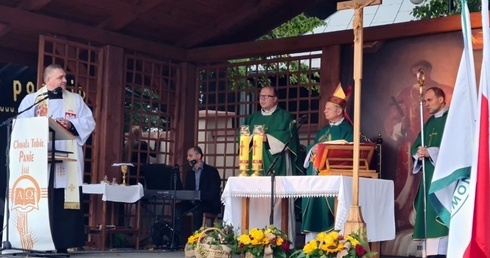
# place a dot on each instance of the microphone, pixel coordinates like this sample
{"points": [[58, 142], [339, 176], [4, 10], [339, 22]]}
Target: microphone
{"points": [[301, 120], [58, 90], [192, 162]]}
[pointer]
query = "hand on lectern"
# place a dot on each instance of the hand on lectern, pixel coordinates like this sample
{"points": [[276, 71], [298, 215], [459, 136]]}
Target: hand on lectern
{"points": [[65, 123]]}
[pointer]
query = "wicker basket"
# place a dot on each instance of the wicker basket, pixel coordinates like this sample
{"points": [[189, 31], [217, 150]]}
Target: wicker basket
{"points": [[204, 250], [189, 252]]}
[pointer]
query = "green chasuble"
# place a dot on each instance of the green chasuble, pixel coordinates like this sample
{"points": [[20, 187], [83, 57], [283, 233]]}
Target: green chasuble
{"points": [[433, 130], [318, 212], [280, 126]]}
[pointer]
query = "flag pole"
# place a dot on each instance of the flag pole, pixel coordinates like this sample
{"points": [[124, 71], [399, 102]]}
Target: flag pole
{"points": [[421, 82]]}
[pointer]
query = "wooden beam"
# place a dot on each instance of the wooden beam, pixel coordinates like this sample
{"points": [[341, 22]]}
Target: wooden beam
{"points": [[344, 5], [122, 18], [32, 5], [27, 21], [314, 42]]}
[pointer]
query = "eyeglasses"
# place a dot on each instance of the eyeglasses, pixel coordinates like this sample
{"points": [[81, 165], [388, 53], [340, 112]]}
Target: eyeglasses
{"points": [[265, 96]]}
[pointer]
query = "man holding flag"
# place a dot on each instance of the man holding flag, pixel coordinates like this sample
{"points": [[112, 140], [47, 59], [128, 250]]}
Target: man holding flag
{"points": [[426, 151]]}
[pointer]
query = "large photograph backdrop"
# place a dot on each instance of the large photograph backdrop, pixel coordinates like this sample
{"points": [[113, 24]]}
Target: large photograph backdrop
{"points": [[390, 92]]}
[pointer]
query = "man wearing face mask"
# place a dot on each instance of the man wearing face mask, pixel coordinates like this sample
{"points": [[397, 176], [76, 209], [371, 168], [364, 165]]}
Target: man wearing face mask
{"points": [[318, 212], [69, 109], [437, 232]]}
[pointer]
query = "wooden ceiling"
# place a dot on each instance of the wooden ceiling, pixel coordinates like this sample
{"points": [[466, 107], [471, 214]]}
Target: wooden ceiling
{"points": [[165, 27]]}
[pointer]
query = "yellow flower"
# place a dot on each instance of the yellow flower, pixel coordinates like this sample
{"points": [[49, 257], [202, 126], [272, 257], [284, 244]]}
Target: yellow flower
{"points": [[257, 237], [310, 247], [279, 241], [352, 240], [332, 248], [244, 239], [321, 236], [193, 239]]}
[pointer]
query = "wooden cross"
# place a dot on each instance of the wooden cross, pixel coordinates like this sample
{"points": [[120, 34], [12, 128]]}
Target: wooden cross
{"points": [[434, 133], [355, 221]]}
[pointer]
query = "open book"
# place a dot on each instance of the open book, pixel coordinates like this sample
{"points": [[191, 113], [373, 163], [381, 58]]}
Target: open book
{"points": [[59, 153]]}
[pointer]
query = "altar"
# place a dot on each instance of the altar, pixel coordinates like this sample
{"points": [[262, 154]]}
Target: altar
{"points": [[376, 198]]}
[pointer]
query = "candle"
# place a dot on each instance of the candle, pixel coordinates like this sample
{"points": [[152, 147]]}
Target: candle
{"points": [[258, 143], [244, 150]]}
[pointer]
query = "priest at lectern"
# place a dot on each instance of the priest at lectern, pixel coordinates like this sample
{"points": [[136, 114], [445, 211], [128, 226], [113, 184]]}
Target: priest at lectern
{"points": [[69, 109], [318, 212]]}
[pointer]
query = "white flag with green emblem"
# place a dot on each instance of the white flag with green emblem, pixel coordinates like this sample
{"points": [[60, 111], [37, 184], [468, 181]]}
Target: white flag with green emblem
{"points": [[453, 165]]}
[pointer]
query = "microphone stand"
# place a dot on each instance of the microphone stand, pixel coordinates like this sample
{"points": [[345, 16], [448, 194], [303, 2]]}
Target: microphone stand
{"points": [[175, 172], [6, 245], [271, 171]]}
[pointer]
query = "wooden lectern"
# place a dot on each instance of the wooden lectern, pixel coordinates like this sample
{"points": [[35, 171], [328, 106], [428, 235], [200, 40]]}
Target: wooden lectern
{"points": [[336, 159]]}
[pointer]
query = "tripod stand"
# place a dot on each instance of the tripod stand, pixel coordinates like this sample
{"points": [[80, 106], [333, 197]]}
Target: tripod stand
{"points": [[6, 244]]}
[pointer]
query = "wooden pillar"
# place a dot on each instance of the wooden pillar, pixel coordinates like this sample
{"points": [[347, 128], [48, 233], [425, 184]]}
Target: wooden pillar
{"points": [[111, 114], [187, 113], [109, 126]]}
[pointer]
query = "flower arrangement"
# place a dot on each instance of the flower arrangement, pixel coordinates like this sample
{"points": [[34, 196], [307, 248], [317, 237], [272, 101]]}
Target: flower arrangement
{"points": [[264, 242], [334, 245]]}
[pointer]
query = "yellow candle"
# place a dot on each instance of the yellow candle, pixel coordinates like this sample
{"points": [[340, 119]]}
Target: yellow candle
{"points": [[258, 142], [244, 150]]}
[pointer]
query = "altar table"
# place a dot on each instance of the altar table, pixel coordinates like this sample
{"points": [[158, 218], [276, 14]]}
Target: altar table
{"points": [[115, 193], [376, 198]]}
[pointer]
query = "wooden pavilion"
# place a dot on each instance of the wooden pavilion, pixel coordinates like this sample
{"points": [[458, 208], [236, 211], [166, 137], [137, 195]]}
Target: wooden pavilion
{"points": [[164, 65]]}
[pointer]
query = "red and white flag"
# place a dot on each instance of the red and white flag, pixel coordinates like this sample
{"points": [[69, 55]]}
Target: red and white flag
{"points": [[479, 241]]}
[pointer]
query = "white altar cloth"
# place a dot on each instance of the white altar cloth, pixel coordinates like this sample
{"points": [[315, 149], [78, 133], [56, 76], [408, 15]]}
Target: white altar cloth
{"points": [[376, 198], [115, 193]]}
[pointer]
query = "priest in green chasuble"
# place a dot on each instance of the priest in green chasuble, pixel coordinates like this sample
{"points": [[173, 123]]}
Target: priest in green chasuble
{"points": [[437, 232], [318, 212], [278, 127]]}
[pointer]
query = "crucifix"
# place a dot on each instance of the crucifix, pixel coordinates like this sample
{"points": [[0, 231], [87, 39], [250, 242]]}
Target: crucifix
{"points": [[433, 134], [355, 221]]}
